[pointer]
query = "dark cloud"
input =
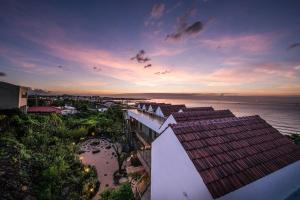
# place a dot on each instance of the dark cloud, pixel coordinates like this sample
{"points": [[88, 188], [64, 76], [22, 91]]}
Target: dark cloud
{"points": [[140, 57], [97, 68], [194, 28], [295, 45], [183, 28], [163, 72], [157, 10], [147, 66], [2, 74]]}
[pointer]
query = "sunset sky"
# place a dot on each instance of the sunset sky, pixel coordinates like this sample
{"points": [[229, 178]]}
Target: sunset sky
{"points": [[104, 47]]}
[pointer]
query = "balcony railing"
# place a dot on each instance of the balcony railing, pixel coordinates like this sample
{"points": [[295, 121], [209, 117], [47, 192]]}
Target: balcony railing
{"points": [[143, 187], [145, 158]]}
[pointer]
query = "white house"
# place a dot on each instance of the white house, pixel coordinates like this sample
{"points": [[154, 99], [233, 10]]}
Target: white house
{"points": [[181, 117], [165, 110], [13, 96], [152, 107], [241, 158]]}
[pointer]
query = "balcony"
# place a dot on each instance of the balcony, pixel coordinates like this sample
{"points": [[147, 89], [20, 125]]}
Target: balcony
{"points": [[149, 120], [144, 156]]}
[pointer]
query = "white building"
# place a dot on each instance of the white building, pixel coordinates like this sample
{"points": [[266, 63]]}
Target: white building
{"points": [[225, 159], [13, 96]]}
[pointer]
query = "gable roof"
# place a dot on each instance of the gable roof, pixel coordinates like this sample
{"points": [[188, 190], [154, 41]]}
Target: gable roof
{"points": [[230, 153], [198, 109], [201, 115], [169, 109], [155, 105]]}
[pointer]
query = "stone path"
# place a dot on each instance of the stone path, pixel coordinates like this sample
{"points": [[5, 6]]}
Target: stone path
{"points": [[104, 161]]}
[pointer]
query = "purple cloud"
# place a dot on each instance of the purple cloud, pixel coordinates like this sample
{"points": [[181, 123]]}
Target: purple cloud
{"points": [[292, 46], [157, 10]]}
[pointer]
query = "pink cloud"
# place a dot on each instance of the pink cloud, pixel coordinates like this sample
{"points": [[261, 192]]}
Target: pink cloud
{"points": [[253, 43]]}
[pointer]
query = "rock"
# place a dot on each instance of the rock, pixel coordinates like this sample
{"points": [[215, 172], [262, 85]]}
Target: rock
{"points": [[94, 143], [123, 180], [81, 152], [96, 151]]}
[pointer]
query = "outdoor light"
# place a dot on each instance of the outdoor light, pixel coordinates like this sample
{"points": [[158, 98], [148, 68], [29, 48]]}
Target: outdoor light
{"points": [[86, 169]]}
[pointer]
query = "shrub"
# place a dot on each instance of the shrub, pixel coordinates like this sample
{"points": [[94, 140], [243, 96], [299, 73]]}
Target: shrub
{"points": [[124, 192]]}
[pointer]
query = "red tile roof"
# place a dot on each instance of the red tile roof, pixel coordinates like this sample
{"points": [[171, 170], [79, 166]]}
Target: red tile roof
{"points": [[43, 109], [155, 106], [201, 115], [230, 153], [198, 109], [169, 109]]}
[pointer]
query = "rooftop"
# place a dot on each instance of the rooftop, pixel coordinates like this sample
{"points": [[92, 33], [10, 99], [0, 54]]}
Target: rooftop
{"points": [[43, 109], [198, 109], [230, 153], [201, 115], [169, 109]]}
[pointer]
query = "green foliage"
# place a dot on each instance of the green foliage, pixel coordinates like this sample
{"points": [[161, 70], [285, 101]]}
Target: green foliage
{"points": [[295, 138], [124, 192], [37, 155], [135, 175]]}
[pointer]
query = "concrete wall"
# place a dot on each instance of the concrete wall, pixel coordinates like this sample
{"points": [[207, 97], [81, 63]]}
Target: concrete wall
{"points": [[275, 186], [23, 96], [9, 96], [158, 112], [173, 175], [169, 120]]}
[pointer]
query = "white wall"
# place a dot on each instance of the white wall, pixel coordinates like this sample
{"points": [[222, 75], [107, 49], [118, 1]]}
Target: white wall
{"points": [[144, 119], [173, 175], [275, 186], [169, 120], [144, 107], [158, 112]]}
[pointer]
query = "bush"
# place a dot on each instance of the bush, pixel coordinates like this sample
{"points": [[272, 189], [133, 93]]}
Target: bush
{"points": [[295, 138], [78, 133], [124, 192]]}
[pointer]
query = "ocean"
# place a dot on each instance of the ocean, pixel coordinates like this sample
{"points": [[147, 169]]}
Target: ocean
{"points": [[283, 113]]}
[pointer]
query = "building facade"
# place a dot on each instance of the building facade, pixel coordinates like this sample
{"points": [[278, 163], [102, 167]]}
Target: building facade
{"points": [[13, 96]]}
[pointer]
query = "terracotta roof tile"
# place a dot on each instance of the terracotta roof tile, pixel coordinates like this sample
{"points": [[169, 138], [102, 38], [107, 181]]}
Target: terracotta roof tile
{"points": [[43, 109], [169, 109], [230, 153], [192, 109]]}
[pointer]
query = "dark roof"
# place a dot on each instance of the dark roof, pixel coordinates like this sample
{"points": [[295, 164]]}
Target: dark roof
{"points": [[198, 109], [155, 106], [169, 109], [230, 153], [201, 115], [43, 109]]}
